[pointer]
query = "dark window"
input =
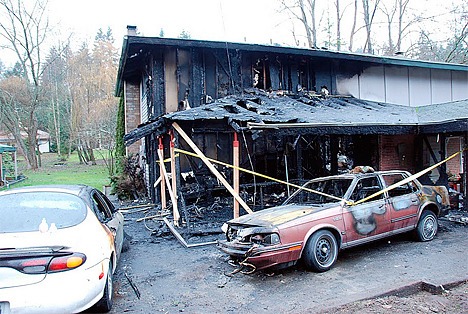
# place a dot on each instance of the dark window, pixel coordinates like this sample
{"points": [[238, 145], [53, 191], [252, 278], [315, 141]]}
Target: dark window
{"points": [[404, 189], [365, 188], [100, 208], [332, 187]]}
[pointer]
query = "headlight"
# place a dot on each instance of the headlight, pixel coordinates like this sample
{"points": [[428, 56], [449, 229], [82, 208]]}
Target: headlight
{"points": [[266, 239], [224, 227]]}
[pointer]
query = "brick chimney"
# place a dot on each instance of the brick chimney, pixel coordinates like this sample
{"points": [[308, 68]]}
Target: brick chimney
{"points": [[131, 30]]}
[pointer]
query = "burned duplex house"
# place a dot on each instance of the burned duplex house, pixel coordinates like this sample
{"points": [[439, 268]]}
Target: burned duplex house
{"points": [[285, 115]]}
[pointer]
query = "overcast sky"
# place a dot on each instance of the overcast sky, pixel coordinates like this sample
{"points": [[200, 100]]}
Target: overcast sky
{"points": [[255, 21], [251, 21]]}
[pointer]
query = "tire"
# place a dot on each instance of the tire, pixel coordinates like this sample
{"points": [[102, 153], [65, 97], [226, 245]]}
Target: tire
{"points": [[104, 305], [427, 227], [321, 251]]}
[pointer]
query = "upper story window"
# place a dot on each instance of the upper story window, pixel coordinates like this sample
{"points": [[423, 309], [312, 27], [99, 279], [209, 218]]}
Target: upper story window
{"points": [[261, 74]]}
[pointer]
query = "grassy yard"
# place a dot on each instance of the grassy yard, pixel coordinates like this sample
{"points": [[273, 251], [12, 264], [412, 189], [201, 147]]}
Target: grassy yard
{"points": [[54, 171]]}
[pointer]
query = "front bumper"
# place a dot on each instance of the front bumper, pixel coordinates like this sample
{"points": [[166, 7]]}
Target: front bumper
{"points": [[261, 256]]}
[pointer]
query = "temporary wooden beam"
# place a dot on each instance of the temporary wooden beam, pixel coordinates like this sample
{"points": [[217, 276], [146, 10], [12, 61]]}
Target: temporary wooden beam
{"points": [[175, 206], [211, 167], [161, 171], [235, 158], [173, 198]]}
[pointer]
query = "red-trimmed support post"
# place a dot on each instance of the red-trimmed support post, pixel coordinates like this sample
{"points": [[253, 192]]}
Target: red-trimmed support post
{"points": [[161, 173], [175, 207], [235, 153]]}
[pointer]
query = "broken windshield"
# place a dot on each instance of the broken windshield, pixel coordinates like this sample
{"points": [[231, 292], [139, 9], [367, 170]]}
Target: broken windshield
{"points": [[335, 187]]}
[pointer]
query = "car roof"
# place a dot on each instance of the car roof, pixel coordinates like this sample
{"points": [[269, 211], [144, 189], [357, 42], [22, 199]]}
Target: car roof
{"points": [[77, 189], [359, 175]]}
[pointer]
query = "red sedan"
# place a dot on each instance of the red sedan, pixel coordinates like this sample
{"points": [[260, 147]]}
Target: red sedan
{"points": [[333, 213]]}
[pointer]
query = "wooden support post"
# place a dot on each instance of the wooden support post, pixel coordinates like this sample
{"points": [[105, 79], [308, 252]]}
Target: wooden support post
{"points": [[169, 189], [161, 173], [235, 157], [211, 167], [175, 206]]}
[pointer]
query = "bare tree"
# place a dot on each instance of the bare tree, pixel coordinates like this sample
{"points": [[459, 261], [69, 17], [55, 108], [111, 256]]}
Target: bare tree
{"points": [[369, 14], [353, 27], [25, 28], [11, 109], [338, 25], [303, 10]]}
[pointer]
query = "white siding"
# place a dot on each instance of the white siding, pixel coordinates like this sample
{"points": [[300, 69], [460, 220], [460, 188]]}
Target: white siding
{"points": [[396, 87], [406, 85], [419, 86], [348, 86], [441, 86], [459, 85], [372, 84]]}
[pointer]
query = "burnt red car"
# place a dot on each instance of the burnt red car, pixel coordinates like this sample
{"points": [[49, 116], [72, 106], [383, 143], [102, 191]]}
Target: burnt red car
{"points": [[344, 211]]}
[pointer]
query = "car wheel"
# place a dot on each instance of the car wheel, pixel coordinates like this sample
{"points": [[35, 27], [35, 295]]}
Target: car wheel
{"points": [[427, 226], [321, 251], [105, 304]]}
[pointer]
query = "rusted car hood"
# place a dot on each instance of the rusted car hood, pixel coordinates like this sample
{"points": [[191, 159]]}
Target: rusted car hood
{"points": [[275, 216]]}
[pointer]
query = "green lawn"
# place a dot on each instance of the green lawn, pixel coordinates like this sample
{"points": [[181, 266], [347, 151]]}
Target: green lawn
{"points": [[71, 171]]}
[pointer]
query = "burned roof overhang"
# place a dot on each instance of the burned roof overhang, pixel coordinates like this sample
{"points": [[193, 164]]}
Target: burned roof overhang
{"points": [[311, 114], [134, 49]]}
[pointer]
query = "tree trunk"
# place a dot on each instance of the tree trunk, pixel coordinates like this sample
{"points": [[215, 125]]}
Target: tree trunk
{"points": [[353, 28], [338, 26]]}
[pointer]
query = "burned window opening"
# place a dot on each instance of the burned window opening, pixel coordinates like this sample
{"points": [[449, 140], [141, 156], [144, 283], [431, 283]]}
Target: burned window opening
{"points": [[261, 74]]}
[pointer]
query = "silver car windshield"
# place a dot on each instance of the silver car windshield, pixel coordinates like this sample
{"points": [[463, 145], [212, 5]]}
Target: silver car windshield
{"points": [[24, 212], [335, 187]]}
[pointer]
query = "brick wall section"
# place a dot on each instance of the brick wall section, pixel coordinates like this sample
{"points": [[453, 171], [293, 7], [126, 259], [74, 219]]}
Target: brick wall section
{"points": [[453, 146], [132, 113], [396, 152]]}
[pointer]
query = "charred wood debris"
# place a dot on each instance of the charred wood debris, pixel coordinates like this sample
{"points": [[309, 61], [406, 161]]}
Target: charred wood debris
{"points": [[205, 203]]}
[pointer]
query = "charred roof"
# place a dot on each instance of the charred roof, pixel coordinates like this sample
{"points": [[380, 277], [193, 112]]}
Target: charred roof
{"points": [[315, 114]]}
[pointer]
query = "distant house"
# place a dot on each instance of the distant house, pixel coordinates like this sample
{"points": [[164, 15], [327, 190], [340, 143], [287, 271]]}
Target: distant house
{"points": [[295, 111], [43, 139]]}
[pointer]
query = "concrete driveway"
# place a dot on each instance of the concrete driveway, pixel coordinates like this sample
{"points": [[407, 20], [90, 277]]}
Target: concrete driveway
{"points": [[172, 279]]}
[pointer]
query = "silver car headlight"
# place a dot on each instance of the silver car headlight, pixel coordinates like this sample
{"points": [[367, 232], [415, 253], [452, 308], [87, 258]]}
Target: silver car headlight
{"points": [[266, 239]]}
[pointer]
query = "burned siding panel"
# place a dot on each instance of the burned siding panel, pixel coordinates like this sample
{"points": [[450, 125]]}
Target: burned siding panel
{"points": [[184, 67], [293, 75], [211, 75], [323, 75], [197, 82], [170, 77], [158, 84], [224, 79], [246, 68], [277, 73]]}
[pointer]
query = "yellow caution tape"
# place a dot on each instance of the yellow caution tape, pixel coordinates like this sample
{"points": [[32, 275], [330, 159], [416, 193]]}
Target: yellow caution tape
{"points": [[168, 159], [259, 175], [351, 203], [407, 180]]}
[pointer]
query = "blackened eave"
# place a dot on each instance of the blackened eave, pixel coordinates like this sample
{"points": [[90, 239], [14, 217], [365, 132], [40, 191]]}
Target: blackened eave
{"points": [[309, 114]]}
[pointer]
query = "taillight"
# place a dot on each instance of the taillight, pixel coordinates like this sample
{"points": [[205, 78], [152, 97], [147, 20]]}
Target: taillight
{"points": [[68, 262], [46, 264]]}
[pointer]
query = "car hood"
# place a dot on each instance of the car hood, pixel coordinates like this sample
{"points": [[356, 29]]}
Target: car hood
{"points": [[275, 216]]}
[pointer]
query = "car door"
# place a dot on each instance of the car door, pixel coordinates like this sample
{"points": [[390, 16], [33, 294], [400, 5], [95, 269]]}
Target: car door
{"points": [[403, 200], [369, 218], [107, 215]]}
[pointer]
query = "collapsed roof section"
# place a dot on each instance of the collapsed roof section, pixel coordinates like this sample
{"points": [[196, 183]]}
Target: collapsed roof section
{"points": [[314, 114]]}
